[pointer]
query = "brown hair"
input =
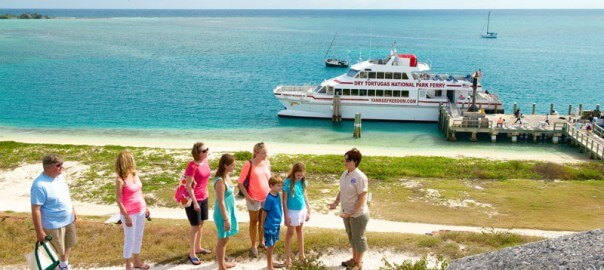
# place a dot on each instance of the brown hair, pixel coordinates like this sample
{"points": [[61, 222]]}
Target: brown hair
{"points": [[298, 167], [196, 149], [125, 164], [274, 180], [355, 155], [225, 160]]}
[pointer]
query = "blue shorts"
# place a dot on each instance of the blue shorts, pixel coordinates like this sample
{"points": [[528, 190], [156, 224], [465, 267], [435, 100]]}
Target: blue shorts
{"points": [[271, 237]]}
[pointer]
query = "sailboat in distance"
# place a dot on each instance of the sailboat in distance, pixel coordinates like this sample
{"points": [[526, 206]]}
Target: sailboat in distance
{"points": [[334, 61], [489, 34]]}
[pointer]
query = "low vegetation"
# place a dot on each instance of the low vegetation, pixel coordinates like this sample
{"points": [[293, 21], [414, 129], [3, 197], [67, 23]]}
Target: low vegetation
{"points": [[466, 191], [165, 242]]}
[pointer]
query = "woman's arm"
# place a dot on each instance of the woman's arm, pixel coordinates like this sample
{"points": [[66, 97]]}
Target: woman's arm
{"points": [[219, 187], [119, 184], [189, 184]]}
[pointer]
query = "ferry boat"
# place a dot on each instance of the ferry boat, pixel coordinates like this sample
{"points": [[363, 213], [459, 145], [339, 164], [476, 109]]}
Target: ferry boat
{"points": [[397, 88]]}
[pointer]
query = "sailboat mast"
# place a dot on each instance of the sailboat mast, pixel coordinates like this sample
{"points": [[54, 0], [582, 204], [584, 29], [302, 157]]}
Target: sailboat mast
{"points": [[332, 40], [488, 21]]}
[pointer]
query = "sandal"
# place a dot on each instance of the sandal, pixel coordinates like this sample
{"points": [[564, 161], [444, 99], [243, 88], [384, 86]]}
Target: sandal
{"points": [[349, 263], [194, 260], [203, 251], [143, 266], [254, 252]]}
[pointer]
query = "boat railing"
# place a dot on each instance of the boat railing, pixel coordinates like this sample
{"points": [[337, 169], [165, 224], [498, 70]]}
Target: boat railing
{"points": [[442, 77], [297, 89]]}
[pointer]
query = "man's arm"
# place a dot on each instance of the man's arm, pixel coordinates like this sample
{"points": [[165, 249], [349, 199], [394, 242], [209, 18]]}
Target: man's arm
{"points": [[36, 216]]}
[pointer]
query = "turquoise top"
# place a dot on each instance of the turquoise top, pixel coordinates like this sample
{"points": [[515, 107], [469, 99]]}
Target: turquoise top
{"points": [[229, 203], [295, 201]]}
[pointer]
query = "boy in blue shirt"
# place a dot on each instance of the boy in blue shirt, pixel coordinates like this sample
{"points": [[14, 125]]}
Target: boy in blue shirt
{"points": [[271, 218]]}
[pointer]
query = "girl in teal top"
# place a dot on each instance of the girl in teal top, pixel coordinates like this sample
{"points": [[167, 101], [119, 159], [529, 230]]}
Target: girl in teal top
{"points": [[295, 209], [224, 209]]}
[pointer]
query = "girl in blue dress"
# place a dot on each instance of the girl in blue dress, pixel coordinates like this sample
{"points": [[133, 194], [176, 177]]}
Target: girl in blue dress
{"points": [[224, 209]]}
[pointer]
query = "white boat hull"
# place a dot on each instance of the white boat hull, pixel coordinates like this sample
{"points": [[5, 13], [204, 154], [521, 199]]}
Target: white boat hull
{"points": [[368, 111]]}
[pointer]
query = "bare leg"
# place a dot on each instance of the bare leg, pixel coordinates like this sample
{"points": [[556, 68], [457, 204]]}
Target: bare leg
{"points": [[221, 253], [288, 245], [193, 231], [269, 258], [198, 239], [300, 235], [254, 227], [260, 229]]}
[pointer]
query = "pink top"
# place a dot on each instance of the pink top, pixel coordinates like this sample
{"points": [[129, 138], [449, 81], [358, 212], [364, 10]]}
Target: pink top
{"points": [[132, 197], [258, 188], [201, 177]]}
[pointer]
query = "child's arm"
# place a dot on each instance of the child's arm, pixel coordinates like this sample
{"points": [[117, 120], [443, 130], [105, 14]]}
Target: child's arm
{"points": [[307, 206], [284, 203]]}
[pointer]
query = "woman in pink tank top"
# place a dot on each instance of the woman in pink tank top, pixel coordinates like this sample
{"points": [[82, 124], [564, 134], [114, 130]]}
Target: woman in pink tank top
{"points": [[133, 209]]}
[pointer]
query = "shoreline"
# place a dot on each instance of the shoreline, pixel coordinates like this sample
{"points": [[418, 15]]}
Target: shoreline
{"points": [[142, 138]]}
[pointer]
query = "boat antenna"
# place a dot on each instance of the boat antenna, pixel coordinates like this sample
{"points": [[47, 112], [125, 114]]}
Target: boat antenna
{"points": [[369, 46], [329, 49]]}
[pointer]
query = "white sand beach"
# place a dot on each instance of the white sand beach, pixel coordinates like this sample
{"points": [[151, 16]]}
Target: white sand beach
{"points": [[500, 152]]}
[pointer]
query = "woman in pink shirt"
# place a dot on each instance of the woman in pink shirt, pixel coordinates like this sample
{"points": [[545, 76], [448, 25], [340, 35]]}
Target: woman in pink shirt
{"points": [[197, 175], [256, 192], [133, 209]]}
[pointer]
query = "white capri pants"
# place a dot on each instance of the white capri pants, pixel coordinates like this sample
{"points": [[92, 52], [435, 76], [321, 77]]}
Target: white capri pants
{"points": [[133, 236]]}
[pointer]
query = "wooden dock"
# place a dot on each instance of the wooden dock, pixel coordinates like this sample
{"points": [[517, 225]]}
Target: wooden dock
{"points": [[557, 128]]}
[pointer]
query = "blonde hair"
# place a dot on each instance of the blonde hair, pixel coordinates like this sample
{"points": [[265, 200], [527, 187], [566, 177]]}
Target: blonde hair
{"points": [[257, 147], [125, 164], [275, 180], [298, 167]]}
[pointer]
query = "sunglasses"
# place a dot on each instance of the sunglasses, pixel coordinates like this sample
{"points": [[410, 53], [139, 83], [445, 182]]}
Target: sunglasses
{"points": [[59, 165], [205, 150]]}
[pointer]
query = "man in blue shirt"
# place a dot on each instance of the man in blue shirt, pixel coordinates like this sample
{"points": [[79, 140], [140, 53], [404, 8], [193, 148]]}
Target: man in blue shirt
{"points": [[51, 209], [271, 218]]}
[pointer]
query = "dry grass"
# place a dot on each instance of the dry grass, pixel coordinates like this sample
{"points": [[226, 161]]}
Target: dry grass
{"points": [[166, 242]]}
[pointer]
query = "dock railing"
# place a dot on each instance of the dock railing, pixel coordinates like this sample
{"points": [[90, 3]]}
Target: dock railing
{"points": [[591, 143], [598, 131]]}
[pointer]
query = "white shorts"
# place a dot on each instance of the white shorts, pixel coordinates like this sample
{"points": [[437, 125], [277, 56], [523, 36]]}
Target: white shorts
{"points": [[296, 217]]}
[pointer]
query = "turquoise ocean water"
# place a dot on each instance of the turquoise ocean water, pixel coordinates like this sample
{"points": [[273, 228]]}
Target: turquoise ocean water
{"points": [[212, 73]]}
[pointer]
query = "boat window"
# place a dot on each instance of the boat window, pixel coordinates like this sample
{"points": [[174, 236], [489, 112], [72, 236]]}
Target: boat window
{"points": [[354, 92], [363, 92], [388, 93], [388, 75], [346, 92], [338, 92], [330, 90], [438, 93], [397, 76], [352, 72], [380, 75], [371, 75], [404, 93], [363, 75], [379, 93], [405, 77], [371, 93], [415, 76], [322, 90], [396, 93]]}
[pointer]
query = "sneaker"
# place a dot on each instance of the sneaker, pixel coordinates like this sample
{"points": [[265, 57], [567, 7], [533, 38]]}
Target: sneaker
{"points": [[66, 267], [254, 252]]}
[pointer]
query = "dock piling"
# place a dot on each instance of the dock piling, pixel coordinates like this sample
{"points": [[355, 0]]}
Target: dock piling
{"points": [[570, 109], [580, 110], [515, 107], [336, 115], [357, 126], [551, 108], [534, 107]]}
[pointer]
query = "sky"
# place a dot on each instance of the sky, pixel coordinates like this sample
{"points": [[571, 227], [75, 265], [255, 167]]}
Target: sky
{"points": [[303, 4]]}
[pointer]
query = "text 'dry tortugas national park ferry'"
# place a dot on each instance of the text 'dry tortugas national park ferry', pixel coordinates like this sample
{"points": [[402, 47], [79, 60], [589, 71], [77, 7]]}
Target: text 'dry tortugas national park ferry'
{"points": [[397, 88]]}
